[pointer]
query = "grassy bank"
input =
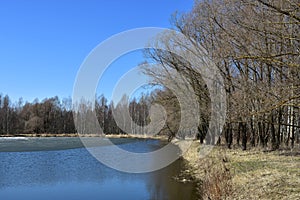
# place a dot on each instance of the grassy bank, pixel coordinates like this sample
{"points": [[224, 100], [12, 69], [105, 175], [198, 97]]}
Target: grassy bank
{"points": [[252, 174]]}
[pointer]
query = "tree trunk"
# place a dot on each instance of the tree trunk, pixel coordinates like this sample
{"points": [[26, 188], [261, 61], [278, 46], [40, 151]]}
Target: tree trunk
{"points": [[244, 136]]}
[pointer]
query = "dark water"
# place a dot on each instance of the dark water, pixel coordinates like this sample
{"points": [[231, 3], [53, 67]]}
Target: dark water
{"points": [[73, 174]]}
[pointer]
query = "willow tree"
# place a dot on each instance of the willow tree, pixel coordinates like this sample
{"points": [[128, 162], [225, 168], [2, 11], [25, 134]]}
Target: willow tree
{"points": [[256, 46]]}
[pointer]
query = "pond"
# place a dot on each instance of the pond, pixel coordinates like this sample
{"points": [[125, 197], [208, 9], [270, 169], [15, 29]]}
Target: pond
{"points": [[61, 169]]}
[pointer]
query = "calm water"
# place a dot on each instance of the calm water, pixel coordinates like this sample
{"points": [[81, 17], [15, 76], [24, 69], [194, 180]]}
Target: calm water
{"points": [[32, 169]]}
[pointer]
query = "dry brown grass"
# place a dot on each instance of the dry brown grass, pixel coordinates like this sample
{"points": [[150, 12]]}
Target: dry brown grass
{"points": [[259, 175], [252, 174], [217, 182]]}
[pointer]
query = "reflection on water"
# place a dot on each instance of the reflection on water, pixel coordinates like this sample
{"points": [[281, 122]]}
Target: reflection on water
{"points": [[75, 174]]}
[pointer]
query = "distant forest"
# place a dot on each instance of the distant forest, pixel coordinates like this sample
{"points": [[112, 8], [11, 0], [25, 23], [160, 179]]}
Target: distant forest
{"points": [[55, 116]]}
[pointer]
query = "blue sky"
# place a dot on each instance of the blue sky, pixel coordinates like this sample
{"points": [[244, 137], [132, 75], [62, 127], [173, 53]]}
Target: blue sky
{"points": [[44, 42]]}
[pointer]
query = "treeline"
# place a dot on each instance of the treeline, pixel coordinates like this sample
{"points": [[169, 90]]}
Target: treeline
{"points": [[48, 116], [256, 47], [128, 116], [55, 116]]}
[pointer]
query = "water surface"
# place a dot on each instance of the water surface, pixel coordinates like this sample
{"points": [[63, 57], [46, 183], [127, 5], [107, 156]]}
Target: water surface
{"points": [[39, 171]]}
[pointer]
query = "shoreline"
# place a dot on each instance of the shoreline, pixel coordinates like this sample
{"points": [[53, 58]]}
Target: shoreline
{"points": [[252, 174], [24, 144], [40, 135]]}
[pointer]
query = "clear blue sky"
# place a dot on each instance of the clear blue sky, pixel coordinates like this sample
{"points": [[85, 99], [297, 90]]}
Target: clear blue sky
{"points": [[44, 42]]}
